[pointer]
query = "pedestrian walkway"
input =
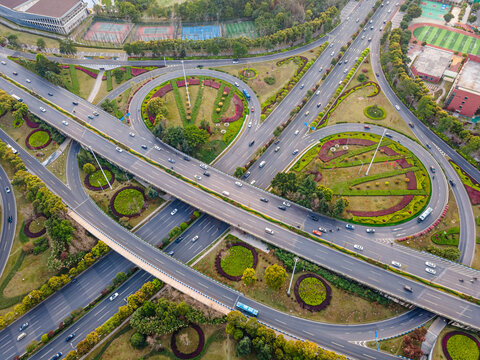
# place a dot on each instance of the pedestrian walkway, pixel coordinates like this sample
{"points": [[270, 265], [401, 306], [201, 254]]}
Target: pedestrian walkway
{"points": [[249, 239], [96, 87], [432, 334], [57, 153]]}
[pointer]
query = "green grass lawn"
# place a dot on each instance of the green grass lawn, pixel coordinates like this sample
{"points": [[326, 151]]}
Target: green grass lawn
{"points": [[129, 202], [312, 291], [187, 340], [448, 39], [58, 167], [37, 225], [236, 260], [97, 178], [39, 138]]}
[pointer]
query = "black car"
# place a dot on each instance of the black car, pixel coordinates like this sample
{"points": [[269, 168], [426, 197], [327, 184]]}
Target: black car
{"points": [[74, 103], [276, 142], [251, 143], [246, 175], [10, 219], [186, 158], [23, 326], [144, 147], [281, 207], [70, 337], [313, 217], [50, 94], [265, 200], [177, 240], [56, 356], [428, 146], [451, 182], [206, 173]]}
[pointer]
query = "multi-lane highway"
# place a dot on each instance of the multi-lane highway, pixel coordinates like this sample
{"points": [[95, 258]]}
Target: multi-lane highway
{"points": [[9, 218]]}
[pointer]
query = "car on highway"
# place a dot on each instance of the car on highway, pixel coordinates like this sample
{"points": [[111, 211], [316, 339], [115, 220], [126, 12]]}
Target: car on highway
{"points": [[132, 134], [249, 124], [238, 183], [322, 229], [276, 142], [4, 63], [430, 271], [113, 297], [262, 164], [265, 200], [277, 149], [253, 182], [251, 143], [396, 264], [407, 288], [206, 173], [316, 232], [286, 203], [369, 39], [15, 73], [198, 177], [430, 264], [226, 193], [186, 158], [50, 94], [70, 337], [56, 356], [366, 126], [64, 122], [235, 61], [42, 109], [178, 239], [23, 326], [295, 152], [451, 182], [171, 252], [432, 169], [358, 247], [170, 160], [313, 217], [144, 147], [156, 147], [237, 84], [333, 52], [370, 230], [174, 211], [195, 238], [397, 107], [345, 71], [411, 124], [318, 92], [21, 336], [307, 112], [363, 37], [119, 149], [203, 166], [7, 189], [349, 227], [246, 175], [388, 135], [10, 219], [90, 117], [252, 109], [296, 132], [28, 81], [321, 68], [74, 103], [281, 207], [96, 113], [302, 86], [319, 104]]}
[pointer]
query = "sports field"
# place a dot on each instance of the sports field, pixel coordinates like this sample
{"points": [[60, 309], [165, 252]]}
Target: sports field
{"points": [[153, 32], [239, 29], [109, 32], [201, 32], [434, 10], [447, 39]]}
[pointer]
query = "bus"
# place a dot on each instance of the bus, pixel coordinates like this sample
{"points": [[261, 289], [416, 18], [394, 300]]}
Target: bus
{"points": [[425, 214], [16, 97], [247, 95], [246, 309]]}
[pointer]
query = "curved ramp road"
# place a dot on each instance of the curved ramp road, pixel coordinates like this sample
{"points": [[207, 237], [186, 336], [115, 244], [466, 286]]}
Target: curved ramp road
{"points": [[9, 210]]}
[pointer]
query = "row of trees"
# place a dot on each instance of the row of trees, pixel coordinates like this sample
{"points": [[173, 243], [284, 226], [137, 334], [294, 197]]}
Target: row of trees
{"points": [[275, 276], [303, 190], [176, 47], [188, 139], [256, 338]]}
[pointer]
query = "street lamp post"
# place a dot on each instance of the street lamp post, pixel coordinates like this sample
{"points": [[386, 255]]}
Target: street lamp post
{"points": [[101, 169], [293, 273], [375, 153], [186, 85]]}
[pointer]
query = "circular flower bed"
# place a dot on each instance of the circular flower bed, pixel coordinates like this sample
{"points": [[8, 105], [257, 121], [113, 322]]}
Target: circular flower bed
{"points": [[96, 181], [312, 292], [374, 112], [232, 261], [35, 226], [196, 352], [128, 201], [38, 139], [248, 73], [458, 345]]}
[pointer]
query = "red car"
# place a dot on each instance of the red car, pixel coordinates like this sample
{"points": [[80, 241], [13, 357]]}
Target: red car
{"points": [[252, 109], [316, 232], [366, 126]]}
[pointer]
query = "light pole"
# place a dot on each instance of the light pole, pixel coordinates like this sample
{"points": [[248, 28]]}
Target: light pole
{"points": [[186, 85], [293, 273], [375, 153], [100, 166]]}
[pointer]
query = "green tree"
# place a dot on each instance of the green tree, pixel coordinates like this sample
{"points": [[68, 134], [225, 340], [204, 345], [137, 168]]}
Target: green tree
{"points": [[129, 11], [13, 41], [445, 123], [414, 11], [88, 168], [138, 341], [194, 137], [40, 44], [472, 18], [284, 183], [362, 77], [239, 49], [156, 106], [119, 75], [275, 275], [425, 108], [67, 47], [249, 276], [239, 171], [159, 129], [277, 131], [447, 17], [44, 338], [244, 347], [119, 278], [339, 207]]}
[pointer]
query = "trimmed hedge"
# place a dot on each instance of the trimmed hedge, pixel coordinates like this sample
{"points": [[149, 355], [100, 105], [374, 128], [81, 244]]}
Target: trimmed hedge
{"points": [[198, 350], [128, 190], [218, 260], [304, 295], [368, 112], [449, 237], [459, 345], [40, 137]]}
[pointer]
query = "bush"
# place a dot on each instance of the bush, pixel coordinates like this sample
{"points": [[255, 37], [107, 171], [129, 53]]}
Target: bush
{"points": [[138, 341], [270, 80]]}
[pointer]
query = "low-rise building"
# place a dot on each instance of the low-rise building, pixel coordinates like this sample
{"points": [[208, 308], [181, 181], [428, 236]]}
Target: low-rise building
{"points": [[431, 63], [58, 16]]}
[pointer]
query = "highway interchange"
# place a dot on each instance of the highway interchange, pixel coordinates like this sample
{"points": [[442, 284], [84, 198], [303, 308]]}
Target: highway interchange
{"points": [[296, 216]]}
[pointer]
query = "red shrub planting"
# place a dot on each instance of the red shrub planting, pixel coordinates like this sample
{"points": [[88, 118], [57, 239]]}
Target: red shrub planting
{"points": [[26, 228], [226, 90], [181, 83], [388, 151], [473, 194], [30, 123], [404, 202], [212, 84], [238, 109], [193, 81], [404, 164], [86, 71], [137, 71], [325, 157], [412, 184], [163, 90]]}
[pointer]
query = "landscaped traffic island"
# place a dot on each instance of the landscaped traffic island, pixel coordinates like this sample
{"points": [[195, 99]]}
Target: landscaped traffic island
{"points": [[312, 292], [38, 139], [232, 261], [395, 190], [127, 202], [96, 181], [201, 123], [35, 226], [459, 345], [375, 112], [188, 342]]}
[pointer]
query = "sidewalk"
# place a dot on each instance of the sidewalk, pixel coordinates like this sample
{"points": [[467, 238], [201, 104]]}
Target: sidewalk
{"points": [[96, 87], [57, 153], [432, 334], [249, 239]]}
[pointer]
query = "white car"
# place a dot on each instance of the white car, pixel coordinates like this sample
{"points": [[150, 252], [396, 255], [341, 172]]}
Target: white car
{"points": [[4, 63], [131, 134], [29, 81], [64, 122], [203, 166], [174, 211], [237, 84], [238, 183], [430, 271], [286, 203], [7, 190], [397, 107], [277, 149], [198, 177], [249, 124], [195, 238], [253, 182], [318, 92], [295, 152], [119, 149], [156, 147], [396, 264], [370, 231], [358, 247], [114, 296], [296, 132], [42, 109], [429, 264]]}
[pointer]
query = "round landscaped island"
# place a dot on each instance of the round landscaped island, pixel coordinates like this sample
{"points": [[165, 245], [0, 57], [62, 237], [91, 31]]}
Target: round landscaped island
{"points": [[232, 261], [35, 227], [38, 139], [459, 345], [128, 201], [312, 292], [375, 112], [188, 342], [96, 181]]}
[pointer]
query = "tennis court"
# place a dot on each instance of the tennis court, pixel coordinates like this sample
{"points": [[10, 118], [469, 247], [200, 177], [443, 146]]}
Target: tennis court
{"points": [[201, 32], [153, 32], [239, 29], [447, 39], [110, 32], [434, 10]]}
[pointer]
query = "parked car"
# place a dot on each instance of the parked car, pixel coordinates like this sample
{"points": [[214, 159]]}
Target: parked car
{"points": [[174, 211], [430, 264]]}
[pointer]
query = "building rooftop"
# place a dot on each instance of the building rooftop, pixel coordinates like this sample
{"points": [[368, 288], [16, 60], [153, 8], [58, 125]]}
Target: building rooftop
{"points": [[53, 8], [11, 4], [469, 77], [432, 61]]}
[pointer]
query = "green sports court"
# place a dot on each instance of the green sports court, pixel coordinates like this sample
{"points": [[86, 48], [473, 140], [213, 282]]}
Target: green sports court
{"points": [[434, 10], [447, 39], [239, 29]]}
